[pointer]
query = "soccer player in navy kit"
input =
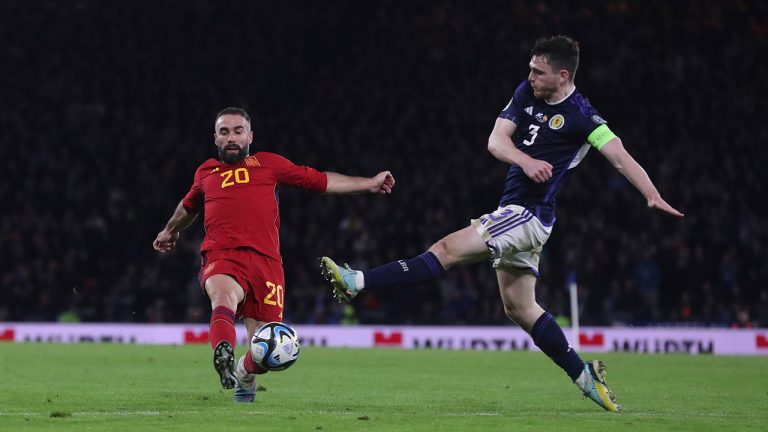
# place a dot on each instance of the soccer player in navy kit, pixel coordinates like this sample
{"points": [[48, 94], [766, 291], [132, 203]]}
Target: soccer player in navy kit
{"points": [[545, 131], [242, 270]]}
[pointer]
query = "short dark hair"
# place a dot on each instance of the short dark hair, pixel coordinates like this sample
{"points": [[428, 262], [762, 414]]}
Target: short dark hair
{"points": [[234, 111], [562, 52]]}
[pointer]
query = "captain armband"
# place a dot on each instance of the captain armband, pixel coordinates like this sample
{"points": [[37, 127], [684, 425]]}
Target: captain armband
{"points": [[600, 136]]}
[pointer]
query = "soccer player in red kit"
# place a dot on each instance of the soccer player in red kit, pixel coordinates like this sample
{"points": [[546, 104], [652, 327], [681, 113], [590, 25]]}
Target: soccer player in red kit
{"points": [[242, 270]]}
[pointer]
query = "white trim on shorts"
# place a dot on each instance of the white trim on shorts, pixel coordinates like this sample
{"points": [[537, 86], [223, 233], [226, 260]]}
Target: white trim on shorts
{"points": [[514, 236]]}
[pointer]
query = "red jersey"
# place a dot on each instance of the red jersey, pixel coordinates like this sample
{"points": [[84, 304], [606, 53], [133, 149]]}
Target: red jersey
{"points": [[241, 203]]}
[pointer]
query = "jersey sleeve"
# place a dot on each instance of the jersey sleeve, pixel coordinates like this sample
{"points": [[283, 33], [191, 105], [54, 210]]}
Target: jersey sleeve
{"points": [[600, 136], [593, 127], [299, 176], [514, 109], [194, 199], [596, 130]]}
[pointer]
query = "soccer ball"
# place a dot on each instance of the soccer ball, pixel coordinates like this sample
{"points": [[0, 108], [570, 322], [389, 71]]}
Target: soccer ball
{"points": [[275, 346]]}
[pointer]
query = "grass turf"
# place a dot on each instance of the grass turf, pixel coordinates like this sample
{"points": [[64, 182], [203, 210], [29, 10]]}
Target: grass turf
{"points": [[133, 387]]}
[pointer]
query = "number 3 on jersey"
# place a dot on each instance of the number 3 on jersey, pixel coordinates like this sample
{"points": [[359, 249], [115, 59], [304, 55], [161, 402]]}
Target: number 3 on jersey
{"points": [[534, 130], [240, 176]]}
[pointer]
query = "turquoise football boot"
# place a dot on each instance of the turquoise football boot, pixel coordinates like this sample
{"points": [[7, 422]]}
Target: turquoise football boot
{"points": [[342, 279], [595, 387]]}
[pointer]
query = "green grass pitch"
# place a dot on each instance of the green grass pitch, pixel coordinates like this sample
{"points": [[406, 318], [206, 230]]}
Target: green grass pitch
{"points": [[82, 387]]}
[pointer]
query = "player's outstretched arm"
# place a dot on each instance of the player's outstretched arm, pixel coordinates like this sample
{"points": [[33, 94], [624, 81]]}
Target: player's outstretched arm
{"points": [[166, 239], [381, 183], [618, 156]]}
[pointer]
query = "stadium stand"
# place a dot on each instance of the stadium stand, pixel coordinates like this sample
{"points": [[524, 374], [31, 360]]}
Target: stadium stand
{"points": [[108, 109]]}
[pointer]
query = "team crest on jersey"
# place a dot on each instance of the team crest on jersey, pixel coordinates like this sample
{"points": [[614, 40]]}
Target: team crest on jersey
{"points": [[599, 120], [542, 118], [556, 122], [251, 161]]}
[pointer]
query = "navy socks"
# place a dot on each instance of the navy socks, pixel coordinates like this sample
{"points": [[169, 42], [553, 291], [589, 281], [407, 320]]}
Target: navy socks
{"points": [[422, 268], [549, 337]]}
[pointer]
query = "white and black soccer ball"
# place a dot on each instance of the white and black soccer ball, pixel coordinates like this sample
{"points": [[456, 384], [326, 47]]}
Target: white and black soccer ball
{"points": [[275, 346]]}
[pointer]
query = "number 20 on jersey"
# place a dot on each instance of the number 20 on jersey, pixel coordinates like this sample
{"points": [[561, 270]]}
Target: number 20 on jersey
{"points": [[230, 177]]}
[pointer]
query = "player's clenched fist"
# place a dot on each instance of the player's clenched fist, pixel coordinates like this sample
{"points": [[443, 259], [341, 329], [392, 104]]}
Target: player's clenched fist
{"points": [[385, 181], [538, 170], [165, 241]]}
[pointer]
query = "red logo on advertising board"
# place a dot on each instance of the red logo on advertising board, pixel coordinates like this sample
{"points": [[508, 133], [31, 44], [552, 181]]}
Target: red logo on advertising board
{"points": [[7, 335], [392, 339], [761, 341], [191, 338], [596, 340]]}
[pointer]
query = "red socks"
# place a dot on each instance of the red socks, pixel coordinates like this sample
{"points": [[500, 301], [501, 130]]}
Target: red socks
{"points": [[251, 366], [222, 326]]}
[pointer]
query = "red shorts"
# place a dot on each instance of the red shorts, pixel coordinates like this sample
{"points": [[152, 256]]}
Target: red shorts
{"points": [[260, 276]]}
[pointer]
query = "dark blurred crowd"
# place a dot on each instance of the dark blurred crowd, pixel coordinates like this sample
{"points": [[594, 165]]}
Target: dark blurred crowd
{"points": [[108, 108]]}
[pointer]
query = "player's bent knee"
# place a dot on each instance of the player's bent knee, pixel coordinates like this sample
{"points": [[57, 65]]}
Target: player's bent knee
{"points": [[511, 313], [442, 252], [223, 299], [223, 291], [519, 314], [440, 248], [523, 315]]}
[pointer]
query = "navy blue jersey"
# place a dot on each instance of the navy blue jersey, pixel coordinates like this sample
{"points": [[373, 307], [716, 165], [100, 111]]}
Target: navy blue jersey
{"points": [[554, 133]]}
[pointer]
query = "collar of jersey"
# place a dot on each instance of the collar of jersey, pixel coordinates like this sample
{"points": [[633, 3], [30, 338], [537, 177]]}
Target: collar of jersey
{"points": [[566, 97]]}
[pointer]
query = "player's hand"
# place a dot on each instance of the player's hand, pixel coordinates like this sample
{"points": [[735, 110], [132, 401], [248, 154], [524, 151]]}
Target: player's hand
{"points": [[659, 203], [384, 183], [165, 241], [537, 170]]}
